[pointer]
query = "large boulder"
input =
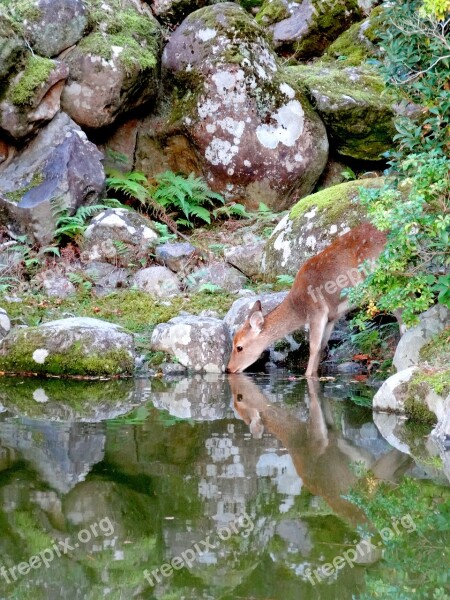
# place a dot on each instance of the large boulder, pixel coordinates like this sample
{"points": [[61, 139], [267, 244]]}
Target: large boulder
{"points": [[59, 170], [357, 43], [115, 68], [73, 346], [311, 225], [118, 236], [198, 343], [255, 136], [246, 258], [32, 96], [304, 28], [431, 323], [355, 106], [54, 25]]}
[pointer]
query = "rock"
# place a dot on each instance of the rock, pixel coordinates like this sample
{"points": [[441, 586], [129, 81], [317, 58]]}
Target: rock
{"points": [[255, 136], [32, 97], [392, 394], [173, 11], [176, 256], [312, 224], [357, 44], [355, 106], [332, 175], [59, 163], [168, 369], [246, 258], [198, 343], [431, 323], [118, 236], [5, 323], [115, 68], [73, 346], [58, 286], [305, 28], [106, 277], [349, 368], [240, 308], [219, 274], [12, 48], [158, 281], [56, 25]]}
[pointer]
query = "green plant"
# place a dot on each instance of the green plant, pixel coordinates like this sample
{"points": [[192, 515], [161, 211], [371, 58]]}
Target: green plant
{"points": [[414, 204], [285, 279], [72, 226], [209, 288], [189, 197]]}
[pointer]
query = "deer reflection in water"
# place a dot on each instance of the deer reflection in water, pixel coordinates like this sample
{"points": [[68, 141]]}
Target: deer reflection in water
{"points": [[320, 454]]}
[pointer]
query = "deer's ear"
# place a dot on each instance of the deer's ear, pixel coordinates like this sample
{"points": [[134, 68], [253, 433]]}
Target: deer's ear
{"points": [[255, 308], [256, 321]]}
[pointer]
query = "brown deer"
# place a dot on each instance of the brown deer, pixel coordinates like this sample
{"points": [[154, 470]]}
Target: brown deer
{"points": [[314, 300]]}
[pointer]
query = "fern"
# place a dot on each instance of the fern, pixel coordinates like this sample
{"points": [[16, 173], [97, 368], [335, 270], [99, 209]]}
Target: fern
{"points": [[72, 226]]}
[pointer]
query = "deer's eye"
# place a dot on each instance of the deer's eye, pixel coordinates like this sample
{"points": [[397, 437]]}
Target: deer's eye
{"points": [[239, 348]]}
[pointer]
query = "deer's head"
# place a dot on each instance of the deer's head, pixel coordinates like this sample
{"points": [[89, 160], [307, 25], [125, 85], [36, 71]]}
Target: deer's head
{"points": [[248, 342]]}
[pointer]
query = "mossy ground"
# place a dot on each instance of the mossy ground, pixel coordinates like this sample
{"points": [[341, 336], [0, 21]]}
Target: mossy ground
{"points": [[36, 72]]}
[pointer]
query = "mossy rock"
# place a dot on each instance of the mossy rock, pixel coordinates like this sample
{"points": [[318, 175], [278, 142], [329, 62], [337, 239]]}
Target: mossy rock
{"points": [[11, 46], [69, 347], [312, 224], [309, 26], [354, 105]]}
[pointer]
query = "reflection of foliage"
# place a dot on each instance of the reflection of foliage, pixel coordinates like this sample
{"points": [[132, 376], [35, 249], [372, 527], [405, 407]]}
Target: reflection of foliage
{"points": [[424, 506], [167, 420]]}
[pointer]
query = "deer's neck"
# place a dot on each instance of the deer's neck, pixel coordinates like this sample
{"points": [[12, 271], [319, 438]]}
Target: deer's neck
{"points": [[284, 319]]}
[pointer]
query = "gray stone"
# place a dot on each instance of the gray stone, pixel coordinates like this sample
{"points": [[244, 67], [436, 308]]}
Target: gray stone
{"points": [[157, 281], [176, 256], [220, 274], [168, 369], [198, 343], [12, 47], [109, 77], [255, 137], [349, 368], [107, 277], [58, 24], [118, 236], [5, 323], [432, 322], [58, 287], [73, 346], [246, 258], [59, 163], [23, 119]]}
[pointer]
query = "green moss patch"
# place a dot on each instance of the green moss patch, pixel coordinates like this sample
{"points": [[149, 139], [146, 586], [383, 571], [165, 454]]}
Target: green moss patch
{"points": [[436, 352], [36, 73], [271, 12], [334, 201], [17, 195]]}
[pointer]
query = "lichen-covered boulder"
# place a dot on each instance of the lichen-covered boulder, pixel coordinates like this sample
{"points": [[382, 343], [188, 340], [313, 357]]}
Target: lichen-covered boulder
{"points": [[59, 166], [157, 281], [355, 106], [304, 28], [73, 346], [256, 137], [246, 258], [5, 323], [118, 236], [311, 225], [218, 274], [198, 343], [431, 323], [32, 97], [51, 26], [116, 67]]}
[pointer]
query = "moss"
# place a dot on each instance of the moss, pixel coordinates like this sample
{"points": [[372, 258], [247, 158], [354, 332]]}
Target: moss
{"points": [[37, 71], [138, 35], [18, 358], [436, 352], [31, 532], [336, 12], [21, 12], [416, 410], [348, 48], [271, 12], [17, 195], [334, 201]]}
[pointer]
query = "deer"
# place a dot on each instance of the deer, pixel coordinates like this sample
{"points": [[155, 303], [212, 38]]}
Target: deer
{"points": [[315, 300]]}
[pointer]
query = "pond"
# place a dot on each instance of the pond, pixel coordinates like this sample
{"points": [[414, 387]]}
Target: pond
{"points": [[207, 487]]}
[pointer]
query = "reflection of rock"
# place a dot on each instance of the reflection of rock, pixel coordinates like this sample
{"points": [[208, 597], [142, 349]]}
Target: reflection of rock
{"points": [[62, 453], [201, 397]]}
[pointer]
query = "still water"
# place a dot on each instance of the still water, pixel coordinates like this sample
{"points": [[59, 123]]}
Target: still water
{"points": [[200, 488]]}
